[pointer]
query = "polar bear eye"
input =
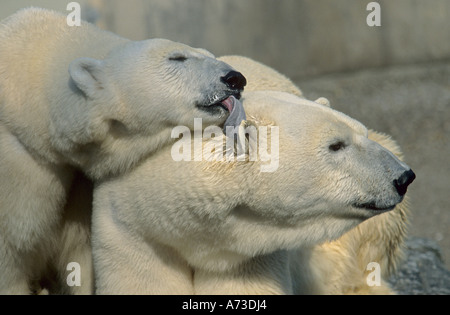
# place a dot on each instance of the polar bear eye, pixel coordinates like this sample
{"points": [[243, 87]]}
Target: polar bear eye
{"points": [[337, 146], [178, 57]]}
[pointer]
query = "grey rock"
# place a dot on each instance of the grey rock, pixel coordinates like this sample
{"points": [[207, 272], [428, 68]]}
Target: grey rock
{"points": [[423, 271], [300, 38]]}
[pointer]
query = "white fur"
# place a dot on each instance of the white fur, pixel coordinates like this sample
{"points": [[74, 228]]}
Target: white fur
{"points": [[82, 98], [339, 267], [216, 227]]}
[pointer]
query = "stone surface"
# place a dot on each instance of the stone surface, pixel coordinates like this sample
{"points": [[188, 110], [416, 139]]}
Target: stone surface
{"points": [[298, 37], [423, 272]]}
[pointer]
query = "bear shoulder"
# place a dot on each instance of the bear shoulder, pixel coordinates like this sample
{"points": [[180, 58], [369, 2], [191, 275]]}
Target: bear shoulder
{"points": [[29, 19]]}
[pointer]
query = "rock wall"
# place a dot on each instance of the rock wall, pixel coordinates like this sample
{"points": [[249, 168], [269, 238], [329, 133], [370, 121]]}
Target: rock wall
{"points": [[297, 37], [423, 271]]}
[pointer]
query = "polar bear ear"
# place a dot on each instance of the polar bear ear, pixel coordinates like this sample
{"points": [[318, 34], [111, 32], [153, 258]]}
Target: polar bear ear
{"points": [[88, 75], [323, 101]]}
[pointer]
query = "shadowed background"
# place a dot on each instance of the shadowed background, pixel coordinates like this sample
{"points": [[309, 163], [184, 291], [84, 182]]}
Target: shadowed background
{"points": [[394, 78]]}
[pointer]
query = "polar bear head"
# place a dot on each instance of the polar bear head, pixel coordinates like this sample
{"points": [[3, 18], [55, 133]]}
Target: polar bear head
{"points": [[160, 80], [136, 94], [217, 214]]}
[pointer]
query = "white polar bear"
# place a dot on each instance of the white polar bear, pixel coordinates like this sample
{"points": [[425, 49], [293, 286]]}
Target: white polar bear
{"points": [[340, 266], [213, 227], [81, 98]]}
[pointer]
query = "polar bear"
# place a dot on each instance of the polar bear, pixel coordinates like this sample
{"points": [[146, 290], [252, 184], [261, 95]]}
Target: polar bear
{"points": [[340, 266], [218, 227], [79, 98]]}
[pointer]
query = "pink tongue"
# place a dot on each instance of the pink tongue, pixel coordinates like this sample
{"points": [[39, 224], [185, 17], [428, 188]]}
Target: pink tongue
{"points": [[229, 103]]}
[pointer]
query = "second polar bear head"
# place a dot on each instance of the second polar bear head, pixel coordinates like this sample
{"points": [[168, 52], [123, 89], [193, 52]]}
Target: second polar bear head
{"points": [[330, 178], [138, 92], [163, 80]]}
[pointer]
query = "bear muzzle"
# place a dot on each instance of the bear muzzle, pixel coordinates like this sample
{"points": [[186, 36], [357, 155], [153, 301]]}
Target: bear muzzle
{"points": [[402, 183]]}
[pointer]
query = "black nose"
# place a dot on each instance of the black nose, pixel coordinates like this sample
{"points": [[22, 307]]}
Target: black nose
{"points": [[234, 80], [402, 183]]}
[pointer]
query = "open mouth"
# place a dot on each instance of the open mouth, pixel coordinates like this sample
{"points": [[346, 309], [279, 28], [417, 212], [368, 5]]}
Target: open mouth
{"points": [[373, 206], [229, 107], [223, 106]]}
